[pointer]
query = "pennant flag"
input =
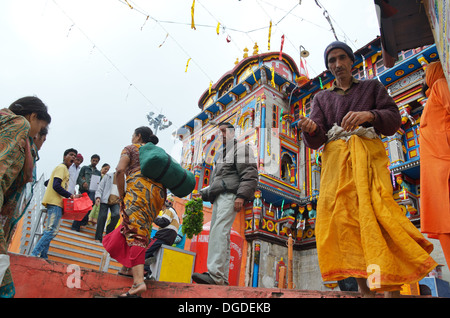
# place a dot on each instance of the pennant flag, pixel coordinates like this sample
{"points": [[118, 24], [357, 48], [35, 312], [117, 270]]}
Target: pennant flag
{"points": [[187, 64], [303, 69], [192, 15], [218, 28], [281, 49], [131, 7], [270, 34], [145, 22], [167, 35], [273, 77], [303, 77]]}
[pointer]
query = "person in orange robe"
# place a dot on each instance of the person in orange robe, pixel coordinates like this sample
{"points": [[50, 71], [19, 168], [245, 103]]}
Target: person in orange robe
{"points": [[435, 159]]}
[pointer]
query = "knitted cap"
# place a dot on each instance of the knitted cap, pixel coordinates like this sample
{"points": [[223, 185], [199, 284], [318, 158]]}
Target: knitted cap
{"points": [[338, 45]]}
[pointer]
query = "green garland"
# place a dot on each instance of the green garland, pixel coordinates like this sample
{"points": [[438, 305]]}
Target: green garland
{"points": [[193, 217]]}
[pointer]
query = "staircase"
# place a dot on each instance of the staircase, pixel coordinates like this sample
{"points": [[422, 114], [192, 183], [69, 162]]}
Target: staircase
{"points": [[68, 247], [72, 247]]}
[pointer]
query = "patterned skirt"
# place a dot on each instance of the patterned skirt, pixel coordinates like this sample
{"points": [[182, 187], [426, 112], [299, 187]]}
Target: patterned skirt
{"points": [[143, 201]]}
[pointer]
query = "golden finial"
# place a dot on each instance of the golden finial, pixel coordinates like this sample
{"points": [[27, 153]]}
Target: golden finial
{"points": [[245, 53], [236, 62], [255, 49]]}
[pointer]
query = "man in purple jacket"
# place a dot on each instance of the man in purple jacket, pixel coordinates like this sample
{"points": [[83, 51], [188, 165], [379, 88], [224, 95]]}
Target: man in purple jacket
{"points": [[360, 230], [349, 102]]}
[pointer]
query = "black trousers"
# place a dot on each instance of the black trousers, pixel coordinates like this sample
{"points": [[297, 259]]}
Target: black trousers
{"points": [[103, 215]]}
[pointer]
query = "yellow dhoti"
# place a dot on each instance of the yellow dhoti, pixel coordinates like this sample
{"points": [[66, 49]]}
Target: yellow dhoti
{"points": [[361, 231]]}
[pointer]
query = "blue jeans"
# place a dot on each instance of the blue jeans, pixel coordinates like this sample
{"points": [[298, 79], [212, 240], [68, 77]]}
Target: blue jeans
{"points": [[54, 214]]}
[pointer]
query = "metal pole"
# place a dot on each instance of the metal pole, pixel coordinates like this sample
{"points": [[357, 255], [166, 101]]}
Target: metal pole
{"points": [[290, 263]]}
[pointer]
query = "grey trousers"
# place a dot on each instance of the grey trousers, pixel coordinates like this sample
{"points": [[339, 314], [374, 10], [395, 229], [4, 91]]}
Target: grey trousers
{"points": [[222, 219]]}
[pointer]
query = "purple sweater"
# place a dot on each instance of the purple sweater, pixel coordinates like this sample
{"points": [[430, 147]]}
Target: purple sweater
{"points": [[329, 107]]}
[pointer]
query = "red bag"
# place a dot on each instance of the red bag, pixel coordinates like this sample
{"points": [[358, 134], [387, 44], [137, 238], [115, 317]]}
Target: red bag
{"points": [[76, 209]]}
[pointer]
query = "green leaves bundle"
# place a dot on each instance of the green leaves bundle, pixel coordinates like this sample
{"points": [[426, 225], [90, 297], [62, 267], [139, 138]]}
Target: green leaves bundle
{"points": [[193, 217]]}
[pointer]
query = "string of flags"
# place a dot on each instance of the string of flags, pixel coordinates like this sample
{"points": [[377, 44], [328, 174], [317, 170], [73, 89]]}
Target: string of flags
{"points": [[220, 25], [217, 28]]}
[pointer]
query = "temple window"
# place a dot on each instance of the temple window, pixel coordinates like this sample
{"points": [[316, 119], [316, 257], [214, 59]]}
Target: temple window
{"points": [[275, 116], [286, 164]]}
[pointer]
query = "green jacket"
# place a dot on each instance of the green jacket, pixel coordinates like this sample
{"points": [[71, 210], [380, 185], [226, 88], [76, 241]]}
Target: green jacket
{"points": [[85, 175]]}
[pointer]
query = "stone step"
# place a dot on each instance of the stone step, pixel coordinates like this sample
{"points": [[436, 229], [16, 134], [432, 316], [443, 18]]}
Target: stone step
{"points": [[35, 277], [80, 248], [38, 278]]}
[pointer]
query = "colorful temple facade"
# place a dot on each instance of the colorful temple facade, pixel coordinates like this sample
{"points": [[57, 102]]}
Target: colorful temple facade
{"points": [[263, 96]]}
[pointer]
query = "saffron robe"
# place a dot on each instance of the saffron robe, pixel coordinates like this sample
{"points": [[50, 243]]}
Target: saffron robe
{"points": [[435, 155]]}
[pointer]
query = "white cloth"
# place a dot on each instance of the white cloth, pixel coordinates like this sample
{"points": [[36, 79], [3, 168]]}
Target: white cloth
{"points": [[337, 132], [74, 171]]}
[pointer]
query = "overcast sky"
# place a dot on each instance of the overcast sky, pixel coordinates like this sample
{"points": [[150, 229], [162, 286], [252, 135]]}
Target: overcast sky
{"points": [[101, 66]]}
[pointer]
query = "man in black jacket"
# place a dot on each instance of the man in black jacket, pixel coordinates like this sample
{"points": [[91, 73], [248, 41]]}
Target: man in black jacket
{"points": [[233, 182]]}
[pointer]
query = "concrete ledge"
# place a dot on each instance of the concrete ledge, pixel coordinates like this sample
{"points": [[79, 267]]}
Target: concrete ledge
{"points": [[38, 278]]}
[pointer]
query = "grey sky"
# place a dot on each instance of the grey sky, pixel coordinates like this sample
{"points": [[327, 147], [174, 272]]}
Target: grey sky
{"points": [[99, 66]]}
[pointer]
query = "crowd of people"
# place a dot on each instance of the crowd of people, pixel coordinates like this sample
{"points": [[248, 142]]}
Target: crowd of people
{"points": [[352, 235], [24, 128]]}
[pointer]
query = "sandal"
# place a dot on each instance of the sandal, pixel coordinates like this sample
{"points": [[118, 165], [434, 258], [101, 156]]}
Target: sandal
{"points": [[128, 295], [126, 272]]}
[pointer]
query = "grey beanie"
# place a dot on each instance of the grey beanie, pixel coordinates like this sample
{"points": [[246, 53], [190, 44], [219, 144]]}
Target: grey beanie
{"points": [[338, 45]]}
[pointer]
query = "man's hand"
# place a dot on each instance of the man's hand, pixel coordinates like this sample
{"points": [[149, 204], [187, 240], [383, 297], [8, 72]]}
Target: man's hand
{"points": [[238, 204], [353, 119], [307, 125]]}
